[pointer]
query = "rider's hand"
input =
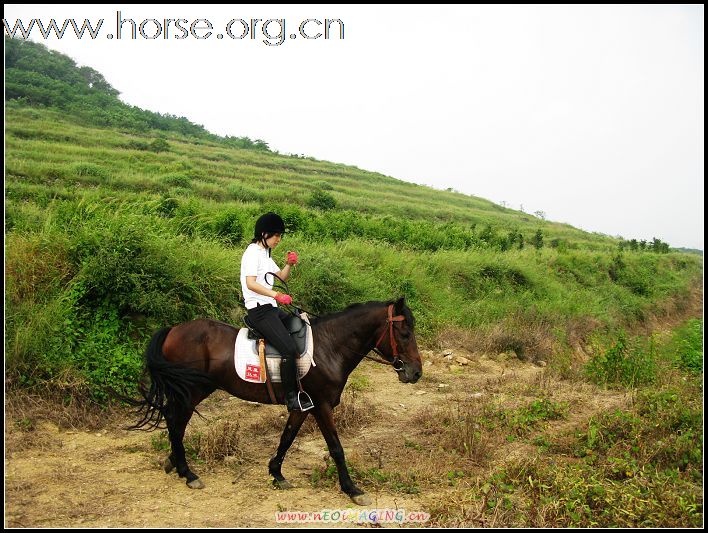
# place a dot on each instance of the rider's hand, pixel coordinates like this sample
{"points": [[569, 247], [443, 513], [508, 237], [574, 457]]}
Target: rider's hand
{"points": [[292, 258], [284, 299]]}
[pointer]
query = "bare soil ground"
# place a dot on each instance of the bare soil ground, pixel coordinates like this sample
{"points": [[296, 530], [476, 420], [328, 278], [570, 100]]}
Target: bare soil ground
{"points": [[109, 477]]}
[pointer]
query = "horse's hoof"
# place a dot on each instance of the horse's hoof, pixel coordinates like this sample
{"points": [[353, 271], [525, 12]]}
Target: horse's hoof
{"points": [[282, 485], [168, 466], [196, 484], [361, 499]]}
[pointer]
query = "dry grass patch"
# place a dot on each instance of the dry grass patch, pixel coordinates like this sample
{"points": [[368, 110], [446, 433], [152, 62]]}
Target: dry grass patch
{"points": [[220, 440], [24, 410], [458, 428], [352, 414]]}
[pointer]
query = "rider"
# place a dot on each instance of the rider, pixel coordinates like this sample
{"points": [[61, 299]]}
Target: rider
{"points": [[260, 298]]}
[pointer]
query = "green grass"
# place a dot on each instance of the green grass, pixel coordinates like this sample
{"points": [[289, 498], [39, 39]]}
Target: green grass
{"points": [[687, 346], [627, 363], [108, 240]]}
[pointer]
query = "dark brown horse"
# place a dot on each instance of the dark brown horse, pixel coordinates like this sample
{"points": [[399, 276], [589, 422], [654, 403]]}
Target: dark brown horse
{"points": [[188, 362]]}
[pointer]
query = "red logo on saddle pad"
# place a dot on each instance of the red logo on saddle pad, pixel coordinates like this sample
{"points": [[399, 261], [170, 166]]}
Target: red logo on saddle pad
{"points": [[253, 372]]}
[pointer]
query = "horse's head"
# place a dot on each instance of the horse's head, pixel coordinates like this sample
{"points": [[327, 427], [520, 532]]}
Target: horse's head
{"points": [[397, 342]]}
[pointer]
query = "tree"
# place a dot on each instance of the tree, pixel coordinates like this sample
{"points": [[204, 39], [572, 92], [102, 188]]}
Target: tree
{"points": [[537, 240], [659, 247], [95, 80], [540, 214]]}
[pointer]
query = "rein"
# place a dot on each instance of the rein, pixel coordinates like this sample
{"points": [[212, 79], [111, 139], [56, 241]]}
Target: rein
{"points": [[382, 361], [396, 363]]}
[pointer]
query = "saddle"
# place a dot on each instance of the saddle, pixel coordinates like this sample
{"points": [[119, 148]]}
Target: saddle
{"points": [[298, 329], [295, 325]]}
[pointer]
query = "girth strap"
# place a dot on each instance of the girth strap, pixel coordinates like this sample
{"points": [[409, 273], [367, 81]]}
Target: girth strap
{"points": [[264, 366]]}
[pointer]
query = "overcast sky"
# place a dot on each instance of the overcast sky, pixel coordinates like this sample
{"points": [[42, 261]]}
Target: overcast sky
{"points": [[591, 114]]}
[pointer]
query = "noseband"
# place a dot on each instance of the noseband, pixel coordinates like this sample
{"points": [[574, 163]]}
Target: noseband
{"points": [[397, 363]]}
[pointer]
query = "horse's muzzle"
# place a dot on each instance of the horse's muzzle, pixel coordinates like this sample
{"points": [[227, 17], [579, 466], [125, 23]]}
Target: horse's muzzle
{"points": [[409, 373]]}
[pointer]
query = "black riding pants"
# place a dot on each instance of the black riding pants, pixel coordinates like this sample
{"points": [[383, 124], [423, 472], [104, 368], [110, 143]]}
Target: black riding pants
{"points": [[269, 321]]}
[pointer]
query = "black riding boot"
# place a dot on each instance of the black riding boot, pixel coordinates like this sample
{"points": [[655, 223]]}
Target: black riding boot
{"points": [[294, 399], [287, 378]]}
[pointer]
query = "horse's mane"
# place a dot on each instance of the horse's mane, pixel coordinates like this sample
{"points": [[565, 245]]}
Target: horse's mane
{"points": [[362, 307]]}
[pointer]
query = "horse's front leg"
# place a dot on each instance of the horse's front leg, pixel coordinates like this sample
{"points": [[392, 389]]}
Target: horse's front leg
{"points": [[292, 426], [325, 420]]}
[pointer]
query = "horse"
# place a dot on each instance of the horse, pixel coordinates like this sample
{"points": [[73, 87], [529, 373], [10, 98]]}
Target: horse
{"points": [[188, 362]]}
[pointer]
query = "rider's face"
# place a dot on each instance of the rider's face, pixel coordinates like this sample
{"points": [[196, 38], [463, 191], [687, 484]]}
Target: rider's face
{"points": [[273, 240]]}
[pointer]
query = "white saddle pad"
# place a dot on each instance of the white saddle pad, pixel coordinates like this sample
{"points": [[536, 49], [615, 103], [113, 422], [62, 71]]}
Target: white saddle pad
{"points": [[248, 363]]}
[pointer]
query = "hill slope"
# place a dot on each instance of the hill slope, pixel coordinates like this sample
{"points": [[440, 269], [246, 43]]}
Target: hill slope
{"points": [[115, 229]]}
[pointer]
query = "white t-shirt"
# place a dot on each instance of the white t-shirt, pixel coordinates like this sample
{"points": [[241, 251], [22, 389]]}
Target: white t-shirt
{"points": [[255, 262]]}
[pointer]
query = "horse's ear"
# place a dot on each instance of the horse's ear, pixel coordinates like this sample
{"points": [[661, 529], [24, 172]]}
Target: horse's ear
{"points": [[400, 305]]}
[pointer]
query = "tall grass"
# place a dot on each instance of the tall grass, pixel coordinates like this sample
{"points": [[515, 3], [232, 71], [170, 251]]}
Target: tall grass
{"points": [[108, 241]]}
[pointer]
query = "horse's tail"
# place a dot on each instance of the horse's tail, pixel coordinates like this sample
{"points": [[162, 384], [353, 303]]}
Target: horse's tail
{"points": [[170, 386]]}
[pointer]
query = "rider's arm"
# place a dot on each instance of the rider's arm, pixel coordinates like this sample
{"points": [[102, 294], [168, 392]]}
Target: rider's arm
{"points": [[284, 274], [253, 285]]}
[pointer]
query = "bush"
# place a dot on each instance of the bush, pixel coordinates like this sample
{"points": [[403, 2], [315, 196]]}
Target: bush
{"points": [[244, 194], [327, 286], [628, 363], [105, 288], [159, 145], [177, 180], [688, 342], [89, 170], [323, 185], [228, 227], [137, 145], [322, 200], [166, 207]]}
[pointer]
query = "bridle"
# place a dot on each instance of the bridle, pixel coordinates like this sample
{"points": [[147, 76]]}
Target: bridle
{"points": [[396, 363]]}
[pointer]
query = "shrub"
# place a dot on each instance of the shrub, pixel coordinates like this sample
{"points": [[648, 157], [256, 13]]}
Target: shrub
{"points": [[322, 200], [177, 180], [244, 194], [159, 145], [228, 227], [89, 170], [628, 363], [328, 287], [137, 145], [323, 185], [688, 342], [166, 207]]}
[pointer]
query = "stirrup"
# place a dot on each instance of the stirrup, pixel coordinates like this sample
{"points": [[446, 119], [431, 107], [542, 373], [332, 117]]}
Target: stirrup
{"points": [[307, 404]]}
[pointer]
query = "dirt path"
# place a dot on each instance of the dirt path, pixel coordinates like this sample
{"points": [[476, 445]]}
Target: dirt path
{"points": [[113, 478]]}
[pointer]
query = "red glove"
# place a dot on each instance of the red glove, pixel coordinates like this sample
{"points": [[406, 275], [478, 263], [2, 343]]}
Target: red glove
{"points": [[292, 258], [284, 299]]}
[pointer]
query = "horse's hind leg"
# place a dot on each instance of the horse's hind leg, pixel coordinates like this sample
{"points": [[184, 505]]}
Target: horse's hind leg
{"points": [[289, 433], [177, 419]]}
